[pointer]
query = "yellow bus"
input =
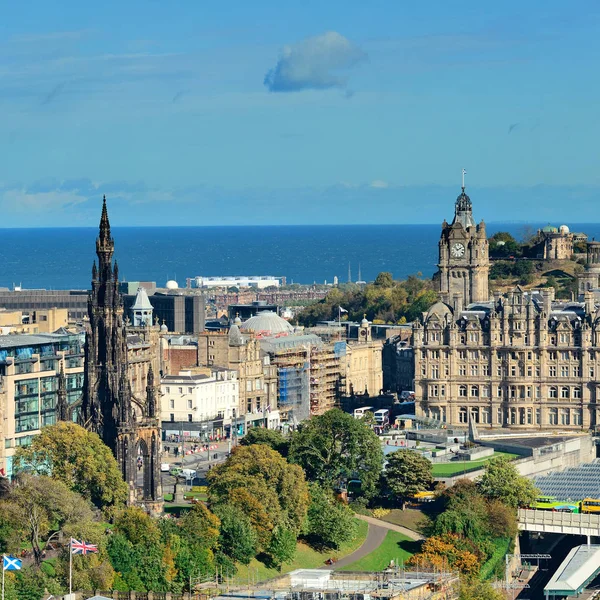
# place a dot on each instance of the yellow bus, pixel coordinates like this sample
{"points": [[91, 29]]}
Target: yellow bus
{"points": [[423, 497], [590, 505]]}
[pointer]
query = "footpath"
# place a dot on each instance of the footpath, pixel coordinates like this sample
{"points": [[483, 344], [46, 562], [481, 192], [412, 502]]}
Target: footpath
{"points": [[375, 535]]}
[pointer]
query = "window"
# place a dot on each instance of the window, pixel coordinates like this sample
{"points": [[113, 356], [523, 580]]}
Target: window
{"points": [[499, 370], [552, 371], [529, 416], [462, 391], [538, 416], [553, 392], [249, 406], [485, 391], [474, 370], [576, 392], [433, 391], [564, 392], [513, 371], [462, 415], [592, 372], [553, 416], [172, 417], [564, 338], [442, 390], [435, 372], [529, 371], [190, 418], [564, 371], [473, 355], [190, 390], [564, 355], [485, 370], [258, 384], [171, 403], [462, 370], [435, 354], [168, 390], [189, 404], [485, 415], [576, 417], [475, 391], [576, 371], [499, 391], [473, 337], [538, 371], [564, 416], [462, 355], [180, 390], [249, 385], [513, 391]]}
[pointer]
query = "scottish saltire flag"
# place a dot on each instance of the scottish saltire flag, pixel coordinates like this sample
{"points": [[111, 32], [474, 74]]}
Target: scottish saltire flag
{"points": [[10, 563], [82, 547]]}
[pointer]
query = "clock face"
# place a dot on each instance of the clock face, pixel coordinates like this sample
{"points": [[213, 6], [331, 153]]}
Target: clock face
{"points": [[457, 250]]}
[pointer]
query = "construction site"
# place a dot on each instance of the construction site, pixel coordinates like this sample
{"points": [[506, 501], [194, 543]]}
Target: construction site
{"points": [[322, 584]]}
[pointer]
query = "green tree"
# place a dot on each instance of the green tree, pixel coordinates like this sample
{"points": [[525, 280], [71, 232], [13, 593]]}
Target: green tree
{"points": [[501, 481], [334, 447], [237, 538], [478, 590], [330, 523], [40, 508], [282, 547], [384, 279], [269, 437], [407, 472], [78, 458], [264, 486], [465, 514]]}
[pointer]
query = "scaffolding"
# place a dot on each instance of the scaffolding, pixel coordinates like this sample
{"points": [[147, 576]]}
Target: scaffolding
{"points": [[293, 391]]}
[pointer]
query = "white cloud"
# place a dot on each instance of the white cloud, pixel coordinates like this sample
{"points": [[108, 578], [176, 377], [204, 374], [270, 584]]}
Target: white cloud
{"points": [[379, 183], [314, 63]]}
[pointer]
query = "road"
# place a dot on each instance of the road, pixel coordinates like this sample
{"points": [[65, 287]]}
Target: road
{"points": [[201, 461]]}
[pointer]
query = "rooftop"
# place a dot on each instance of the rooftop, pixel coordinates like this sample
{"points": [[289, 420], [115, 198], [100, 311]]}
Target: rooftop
{"points": [[577, 570], [37, 339]]}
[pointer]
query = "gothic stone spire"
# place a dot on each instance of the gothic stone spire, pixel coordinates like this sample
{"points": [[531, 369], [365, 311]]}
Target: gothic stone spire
{"points": [[62, 405]]}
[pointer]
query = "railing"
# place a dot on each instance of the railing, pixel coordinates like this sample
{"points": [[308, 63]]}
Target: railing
{"points": [[549, 518]]}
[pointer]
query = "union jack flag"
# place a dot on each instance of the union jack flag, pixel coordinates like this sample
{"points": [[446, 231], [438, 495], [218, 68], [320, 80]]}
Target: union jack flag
{"points": [[82, 547]]}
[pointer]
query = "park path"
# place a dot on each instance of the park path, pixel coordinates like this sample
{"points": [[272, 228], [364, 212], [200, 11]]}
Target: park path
{"points": [[409, 533], [375, 536]]}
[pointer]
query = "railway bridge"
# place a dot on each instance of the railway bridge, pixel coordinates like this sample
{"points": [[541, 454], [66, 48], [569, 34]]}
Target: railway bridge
{"points": [[566, 523]]}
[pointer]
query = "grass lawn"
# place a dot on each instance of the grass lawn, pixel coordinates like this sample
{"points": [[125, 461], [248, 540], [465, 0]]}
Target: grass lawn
{"points": [[411, 518], [395, 546], [456, 467], [306, 558]]}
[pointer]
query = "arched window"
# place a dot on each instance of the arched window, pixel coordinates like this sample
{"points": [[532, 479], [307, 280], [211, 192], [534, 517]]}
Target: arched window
{"points": [[564, 392], [475, 391], [462, 391], [462, 415], [553, 392], [576, 392]]}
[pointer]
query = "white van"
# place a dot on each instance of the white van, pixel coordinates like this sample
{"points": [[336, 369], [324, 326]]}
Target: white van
{"points": [[359, 413], [188, 474], [382, 416]]}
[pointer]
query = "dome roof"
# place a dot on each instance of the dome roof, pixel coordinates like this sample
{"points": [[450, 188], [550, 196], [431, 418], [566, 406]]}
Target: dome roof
{"points": [[563, 229], [267, 322], [164, 328], [364, 322], [172, 285], [550, 229]]}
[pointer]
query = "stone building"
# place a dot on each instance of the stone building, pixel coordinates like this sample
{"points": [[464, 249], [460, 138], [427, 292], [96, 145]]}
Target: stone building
{"points": [[363, 373], [520, 360], [257, 377], [589, 278], [117, 409], [557, 242], [464, 264]]}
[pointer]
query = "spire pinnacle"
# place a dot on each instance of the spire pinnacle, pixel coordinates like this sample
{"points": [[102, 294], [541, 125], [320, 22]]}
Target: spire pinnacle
{"points": [[104, 222], [464, 172]]}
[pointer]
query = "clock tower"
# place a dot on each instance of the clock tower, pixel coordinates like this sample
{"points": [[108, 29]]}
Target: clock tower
{"points": [[464, 264]]}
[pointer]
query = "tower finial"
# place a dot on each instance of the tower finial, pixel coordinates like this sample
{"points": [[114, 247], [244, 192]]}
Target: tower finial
{"points": [[464, 172]]}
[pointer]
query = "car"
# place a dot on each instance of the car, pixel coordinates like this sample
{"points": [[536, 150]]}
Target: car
{"points": [[175, 471], [165, 467]]}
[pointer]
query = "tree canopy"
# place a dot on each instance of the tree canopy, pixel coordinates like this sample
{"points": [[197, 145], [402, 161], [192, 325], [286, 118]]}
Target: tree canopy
{"points": [[330, 522], [334, 447], [270, 437], [501, 481], [77, 457], [264, 486], [385, 300], [407, 473]]}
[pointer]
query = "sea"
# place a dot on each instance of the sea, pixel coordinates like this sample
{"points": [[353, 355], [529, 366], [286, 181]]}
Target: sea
{"points": [[61, 258]]}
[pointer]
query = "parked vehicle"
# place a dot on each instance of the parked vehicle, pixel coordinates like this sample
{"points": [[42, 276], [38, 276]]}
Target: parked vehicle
{"points": [[165, 467], [175, 471], [188, 474], [382, 417], [359, 413]]}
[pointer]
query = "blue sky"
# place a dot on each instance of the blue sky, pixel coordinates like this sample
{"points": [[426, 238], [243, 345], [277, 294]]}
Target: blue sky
{"points": [[276, 112]]}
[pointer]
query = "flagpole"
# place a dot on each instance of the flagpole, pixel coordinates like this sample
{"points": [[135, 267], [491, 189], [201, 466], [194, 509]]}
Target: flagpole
{"points": [[70, 566], [3, 576]]}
